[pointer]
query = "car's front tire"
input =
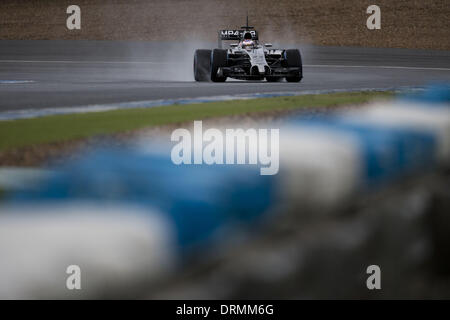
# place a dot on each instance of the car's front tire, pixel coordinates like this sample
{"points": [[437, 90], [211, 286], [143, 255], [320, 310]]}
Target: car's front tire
{"points": [[293, 59], [202, 64], [219, 59]]}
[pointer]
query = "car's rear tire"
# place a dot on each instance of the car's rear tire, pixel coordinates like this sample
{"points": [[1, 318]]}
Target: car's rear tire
{"points": [[219, 59], [294, 60], [202, 63]]}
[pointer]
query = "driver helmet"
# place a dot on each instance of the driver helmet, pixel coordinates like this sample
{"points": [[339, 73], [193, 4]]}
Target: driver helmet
{"points": [[247, 42]]}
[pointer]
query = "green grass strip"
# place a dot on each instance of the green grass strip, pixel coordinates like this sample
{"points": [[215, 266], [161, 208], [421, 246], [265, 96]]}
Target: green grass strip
{"points": [[25, 132]]}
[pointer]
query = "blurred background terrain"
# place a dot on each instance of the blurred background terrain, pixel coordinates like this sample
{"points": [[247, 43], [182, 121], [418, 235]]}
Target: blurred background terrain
{"points": [[404, 23]]}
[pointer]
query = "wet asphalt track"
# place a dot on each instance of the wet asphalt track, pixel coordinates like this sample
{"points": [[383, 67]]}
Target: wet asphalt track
{"points": [[52, 74]]}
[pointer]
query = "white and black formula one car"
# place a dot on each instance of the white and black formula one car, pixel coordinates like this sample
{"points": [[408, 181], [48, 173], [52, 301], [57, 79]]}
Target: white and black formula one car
{"points": [[247, 60]]}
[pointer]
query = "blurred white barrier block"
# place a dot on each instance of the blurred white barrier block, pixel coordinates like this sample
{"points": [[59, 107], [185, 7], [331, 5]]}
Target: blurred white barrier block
{"points": [[318, 168], [115, 247]]}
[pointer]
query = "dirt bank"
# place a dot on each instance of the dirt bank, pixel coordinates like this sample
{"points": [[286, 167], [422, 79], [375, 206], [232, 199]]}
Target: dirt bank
{"points": [[405, 23]]}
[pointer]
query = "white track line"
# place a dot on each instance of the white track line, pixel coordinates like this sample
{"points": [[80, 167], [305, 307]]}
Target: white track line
{"points": [[379, 67], [15, 81], [153, 62]]}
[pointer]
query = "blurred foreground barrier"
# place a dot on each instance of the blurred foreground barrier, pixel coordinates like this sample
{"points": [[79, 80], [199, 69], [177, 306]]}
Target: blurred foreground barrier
{"points": [[149, 214], [324, 161], [197, 199], [115, 246], [126, 215]]}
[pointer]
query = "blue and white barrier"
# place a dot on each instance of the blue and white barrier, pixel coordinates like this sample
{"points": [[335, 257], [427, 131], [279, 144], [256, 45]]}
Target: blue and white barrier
{"points": [[383, 152], [433, 119], [326, 160], [101, 211], [124, 212], [197, 200]]}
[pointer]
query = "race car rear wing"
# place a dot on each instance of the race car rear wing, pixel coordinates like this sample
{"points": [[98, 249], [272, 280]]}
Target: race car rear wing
{"points": [[235, 35]]}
